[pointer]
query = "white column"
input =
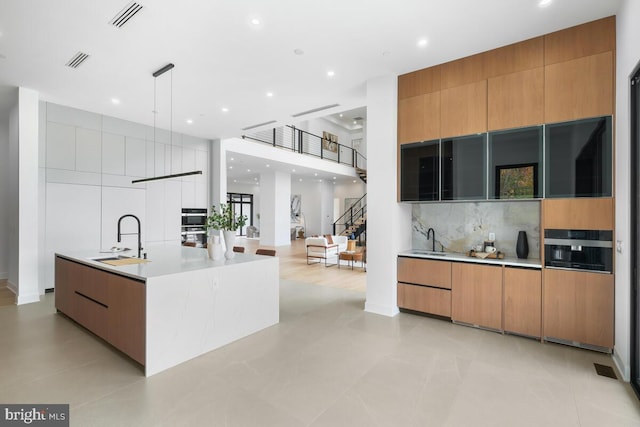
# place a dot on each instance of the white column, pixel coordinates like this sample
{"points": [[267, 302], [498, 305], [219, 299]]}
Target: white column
{"points": [[388, 222], [217, 177], [275, 209], [23, 218]]}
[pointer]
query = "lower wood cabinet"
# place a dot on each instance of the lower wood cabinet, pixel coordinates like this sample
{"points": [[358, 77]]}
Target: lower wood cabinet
{"points": [[424, 285], [579, 307], [476, 294], [523, 301], [109, 305]]}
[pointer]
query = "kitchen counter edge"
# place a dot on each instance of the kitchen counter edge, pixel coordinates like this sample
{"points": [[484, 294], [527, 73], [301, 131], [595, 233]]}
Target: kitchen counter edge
{"points": [[450, 256]]}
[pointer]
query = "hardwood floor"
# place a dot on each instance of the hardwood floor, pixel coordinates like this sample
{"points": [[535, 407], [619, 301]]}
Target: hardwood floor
{"points": [[293, 266], [6, 296]]}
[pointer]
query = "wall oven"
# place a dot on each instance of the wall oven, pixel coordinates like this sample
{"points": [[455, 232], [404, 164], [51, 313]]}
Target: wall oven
{"points": [[590, 250], [194, 225]]}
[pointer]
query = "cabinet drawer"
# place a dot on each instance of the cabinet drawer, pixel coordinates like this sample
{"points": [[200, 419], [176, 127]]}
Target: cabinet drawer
{"points": [[93, 283], [90, 314], [424, 272], [425, 299]]}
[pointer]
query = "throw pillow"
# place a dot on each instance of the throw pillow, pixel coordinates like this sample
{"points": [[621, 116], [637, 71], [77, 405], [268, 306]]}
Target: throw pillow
{"points": [[329, 239]]}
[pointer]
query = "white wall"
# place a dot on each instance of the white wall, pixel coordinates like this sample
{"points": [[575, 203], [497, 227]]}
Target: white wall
{"points": [[4, 196], [627, 58], [275, 216], [388, 222], [353, 190], [88, 162], [317, 205]]}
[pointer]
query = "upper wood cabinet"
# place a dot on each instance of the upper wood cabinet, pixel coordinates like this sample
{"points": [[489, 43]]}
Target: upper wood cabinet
{"points": [[419, 82], [516, 57], [579, 88], [578, 214], [580, 41], [419, 118], [464, 109], [463, 71], [516, 99]]}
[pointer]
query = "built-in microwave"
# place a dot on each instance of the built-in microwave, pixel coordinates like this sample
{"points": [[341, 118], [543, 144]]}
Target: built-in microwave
{"points": [[194, 225], [590, 250]]}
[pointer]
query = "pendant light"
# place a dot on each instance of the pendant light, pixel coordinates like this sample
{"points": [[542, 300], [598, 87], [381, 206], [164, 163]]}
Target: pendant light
{"points": [[156, 74]]}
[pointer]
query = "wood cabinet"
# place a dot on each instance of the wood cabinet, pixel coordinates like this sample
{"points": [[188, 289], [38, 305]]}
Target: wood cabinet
{"points": [[419, 118], [109, 305], [516, 57], [463, 71], [424, 285], [523, 301], [463, 109], [579, 41], [579, 88], [419, 82], [516, 99], [579, 307], [578, 214], [476, 294]]}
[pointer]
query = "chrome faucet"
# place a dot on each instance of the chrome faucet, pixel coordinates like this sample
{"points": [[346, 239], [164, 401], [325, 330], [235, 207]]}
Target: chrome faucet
{"points": [[139, 233], [432, 233]]}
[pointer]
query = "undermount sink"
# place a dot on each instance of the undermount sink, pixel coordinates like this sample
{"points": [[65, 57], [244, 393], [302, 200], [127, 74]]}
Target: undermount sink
{"points": [[108, 258], [427, 252]]}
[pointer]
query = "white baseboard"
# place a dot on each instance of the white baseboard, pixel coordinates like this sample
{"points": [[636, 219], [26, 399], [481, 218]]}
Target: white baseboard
{"points": [[622, 368], [383, 310]]}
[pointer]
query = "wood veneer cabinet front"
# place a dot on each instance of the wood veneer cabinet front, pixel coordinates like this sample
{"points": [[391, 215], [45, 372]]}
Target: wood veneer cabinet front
{"points": [[476, 294], [109, 305], [463, 71], [424, 272], [419, 82], [419, 118], [463, 110], [579, 41], [424, 299], [579, 88], [578, 214], [523, 301], [515, 57], [516, 99], [579, 307]]}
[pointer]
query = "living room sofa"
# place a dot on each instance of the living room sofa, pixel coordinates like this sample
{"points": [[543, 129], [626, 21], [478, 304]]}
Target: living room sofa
{"points": [[325, 247]]}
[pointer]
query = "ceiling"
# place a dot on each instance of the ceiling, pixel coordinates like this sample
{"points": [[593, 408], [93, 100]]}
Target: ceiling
{"points": [[223, 60]]}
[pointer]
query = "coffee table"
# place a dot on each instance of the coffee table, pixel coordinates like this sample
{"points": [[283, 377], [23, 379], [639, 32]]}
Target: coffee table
{"points": [[350, 256]]}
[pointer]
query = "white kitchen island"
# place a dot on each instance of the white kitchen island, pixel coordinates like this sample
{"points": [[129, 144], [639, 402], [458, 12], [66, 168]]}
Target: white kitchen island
{"points": [[173, 308]]}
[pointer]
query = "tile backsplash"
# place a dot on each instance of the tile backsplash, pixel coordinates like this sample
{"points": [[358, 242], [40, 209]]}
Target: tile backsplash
{"points": [[461, 226]]}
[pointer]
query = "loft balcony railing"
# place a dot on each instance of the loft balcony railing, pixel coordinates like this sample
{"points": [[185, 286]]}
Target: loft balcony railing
{"points": [[300, 141]]}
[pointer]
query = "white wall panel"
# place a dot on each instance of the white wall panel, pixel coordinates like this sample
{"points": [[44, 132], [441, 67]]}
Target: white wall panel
{"points": [[112, 154], [88, 150], [73, 117], [124, 127], [188, 194], [72, 221], [61, 146], [154, 225], [135, 157], [72, 177], [172, 210]]}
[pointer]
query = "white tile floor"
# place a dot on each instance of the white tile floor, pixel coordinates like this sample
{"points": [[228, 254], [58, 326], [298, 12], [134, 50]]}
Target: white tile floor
{"points": [[328, 363]]}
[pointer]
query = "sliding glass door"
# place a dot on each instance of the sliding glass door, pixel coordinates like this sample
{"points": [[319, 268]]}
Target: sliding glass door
{"points": [[242, 204]]}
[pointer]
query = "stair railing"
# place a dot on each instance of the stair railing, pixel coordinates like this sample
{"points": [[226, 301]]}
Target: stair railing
{"points": [[351, 215]]}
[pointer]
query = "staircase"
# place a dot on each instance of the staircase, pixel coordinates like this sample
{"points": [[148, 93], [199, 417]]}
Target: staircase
{"points": [[362, 173], [353, 222]]}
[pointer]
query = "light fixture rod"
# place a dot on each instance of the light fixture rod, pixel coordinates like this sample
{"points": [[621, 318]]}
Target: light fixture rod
{"points": [[163, 70], [175, 175]]}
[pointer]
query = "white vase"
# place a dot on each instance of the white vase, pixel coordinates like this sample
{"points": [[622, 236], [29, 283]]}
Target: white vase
{"points": [[229, 241], [214, 246]]}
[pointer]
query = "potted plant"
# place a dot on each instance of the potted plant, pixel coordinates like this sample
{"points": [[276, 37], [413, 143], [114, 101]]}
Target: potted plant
{"points": [[227, 221]]}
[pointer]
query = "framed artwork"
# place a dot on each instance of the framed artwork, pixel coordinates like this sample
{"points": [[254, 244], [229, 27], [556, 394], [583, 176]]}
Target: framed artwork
{"points": [[296, 207], [517, 181], [329, 141]]}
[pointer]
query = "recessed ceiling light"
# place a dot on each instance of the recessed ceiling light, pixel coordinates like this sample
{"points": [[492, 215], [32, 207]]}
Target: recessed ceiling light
{"points": [[231, 158], [269, 94], [355, 122], [293, 170], [115, 101], [225, 110], [422, 42], [255, 21], [300, 180], [544, 3], [315, 174], [319, 180], [189, 121], [334, 177], [340, 114], [331, 73], [255, 178], [230, 167], [354, 181], [248, 170], [235, 180], [267, 164]]}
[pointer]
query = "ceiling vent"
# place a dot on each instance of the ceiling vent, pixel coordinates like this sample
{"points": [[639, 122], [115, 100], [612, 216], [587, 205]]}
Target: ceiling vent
{"points": [[77, 60], [126, 14], [260, 124], [315, 110], [358, 118]]}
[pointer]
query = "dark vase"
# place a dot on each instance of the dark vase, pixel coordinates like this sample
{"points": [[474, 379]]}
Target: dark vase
{"points": [[522, 246]]}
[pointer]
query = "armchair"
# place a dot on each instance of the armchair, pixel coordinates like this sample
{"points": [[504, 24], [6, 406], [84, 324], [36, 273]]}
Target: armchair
{"points": [[325, 247]]}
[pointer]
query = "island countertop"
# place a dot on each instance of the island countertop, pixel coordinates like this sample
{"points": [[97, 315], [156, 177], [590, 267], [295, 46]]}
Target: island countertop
{"points": [[161, 261]]}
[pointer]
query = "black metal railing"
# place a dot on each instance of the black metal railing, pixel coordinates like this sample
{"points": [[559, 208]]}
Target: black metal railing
{"points": [[351, 216], [300, 141]]}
